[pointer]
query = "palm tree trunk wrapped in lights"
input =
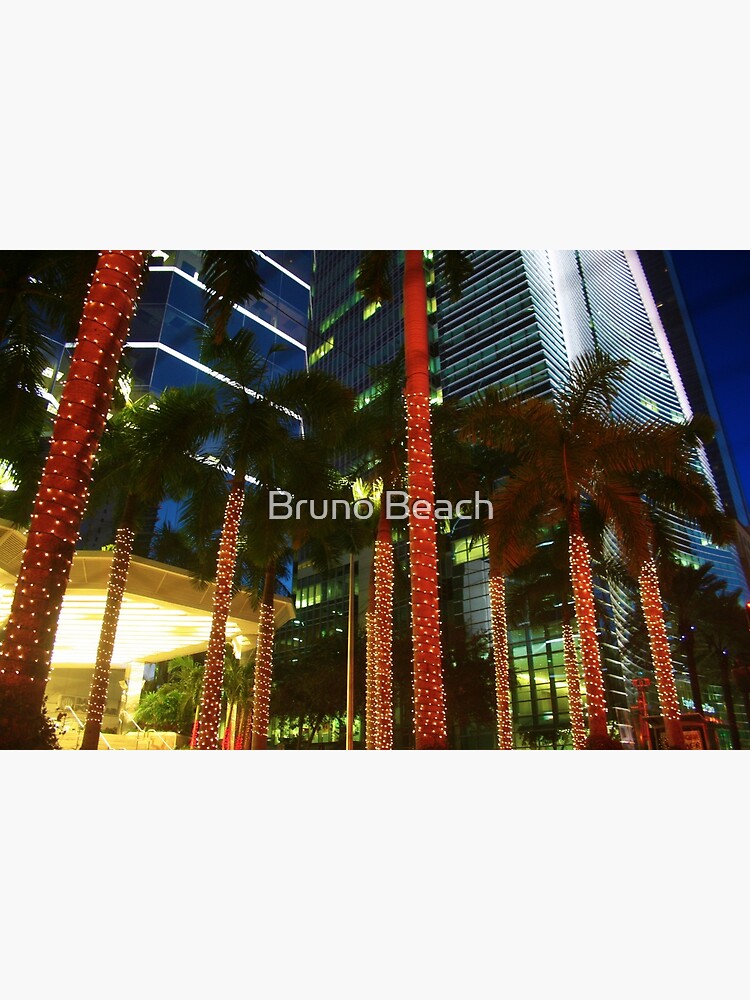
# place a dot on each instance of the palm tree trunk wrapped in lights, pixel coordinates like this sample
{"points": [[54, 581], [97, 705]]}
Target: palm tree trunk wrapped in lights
{"points": [[500, 653], [264, 662], [653, 612], [570, 659], [382, 623], [583, 597], [118, 578], [372, 714], [209, 713], [429, 694], [63, 490]]}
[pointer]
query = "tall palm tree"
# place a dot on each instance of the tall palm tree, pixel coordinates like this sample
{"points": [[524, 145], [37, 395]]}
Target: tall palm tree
{"points": [[374, 281], [149, 453], [541, 589], [260, 420], [304, 469], [673, 485], [63, 490], [559, 458], [378, 436]]}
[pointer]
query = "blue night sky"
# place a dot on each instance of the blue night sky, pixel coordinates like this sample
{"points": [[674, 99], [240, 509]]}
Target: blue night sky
{"points": [[716, 288]]}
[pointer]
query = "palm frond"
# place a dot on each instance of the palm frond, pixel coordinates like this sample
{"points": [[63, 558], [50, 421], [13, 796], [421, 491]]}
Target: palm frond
{"points": [[373, 276], [231, 278], [457, 268]]}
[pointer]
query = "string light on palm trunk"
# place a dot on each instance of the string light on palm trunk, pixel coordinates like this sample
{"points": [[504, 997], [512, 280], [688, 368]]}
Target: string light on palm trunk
{"points": [[263, 673], [583, 595], [500, 657], [118, 577], [575, 707], [653, 612], [213, 676], [64, 487], [383, 642], [371, 691], [429, 696]]}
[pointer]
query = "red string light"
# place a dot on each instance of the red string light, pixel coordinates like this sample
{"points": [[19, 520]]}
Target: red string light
{"points": [[209, 713], [583, 595], [500, 656], [372, 714], [575, 707], [653, 612], [382, 650], [263, 674], [118, 578]]}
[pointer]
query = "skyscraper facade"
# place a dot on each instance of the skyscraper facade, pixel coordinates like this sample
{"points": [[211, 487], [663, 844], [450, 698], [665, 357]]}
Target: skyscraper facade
{"points": [[522, 319]]}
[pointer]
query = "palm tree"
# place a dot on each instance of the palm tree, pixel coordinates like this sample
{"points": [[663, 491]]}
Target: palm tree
{"points": [[673, 485], [374, 282], [560, 456], [304, 469], [149, 453], [378, 434], [260, 420], [378, 437], [541, 588], [63, 490]]}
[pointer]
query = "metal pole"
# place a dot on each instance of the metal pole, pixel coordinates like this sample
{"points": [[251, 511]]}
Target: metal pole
{"points": [[350, 661]]}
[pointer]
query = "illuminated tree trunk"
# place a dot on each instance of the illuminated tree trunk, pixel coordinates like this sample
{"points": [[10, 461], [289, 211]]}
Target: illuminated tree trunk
{"points": [[264, 662], [500, 653], [63, 491], [573, 681], [372, 713], [583, 597], [118, 579], [429, 693], [371, 690], [209, 712], [653, 612], [383, 633]]}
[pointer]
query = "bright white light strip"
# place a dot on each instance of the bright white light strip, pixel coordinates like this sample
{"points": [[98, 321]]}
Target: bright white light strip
{"points": [[167, 629], [241, 309], [276, 264], [157, 345], [644, 289]]}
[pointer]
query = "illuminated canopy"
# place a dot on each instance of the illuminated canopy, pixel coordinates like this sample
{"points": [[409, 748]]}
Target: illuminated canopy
{"points": [[164, 613]]}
